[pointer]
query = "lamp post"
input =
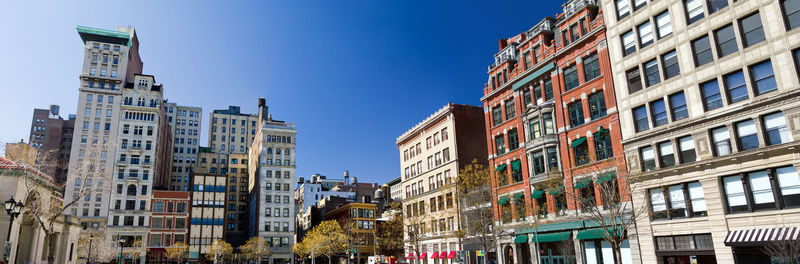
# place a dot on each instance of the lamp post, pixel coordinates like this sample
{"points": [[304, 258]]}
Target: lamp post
{"points": [[89, 257], [121, 242], [13, 208]]}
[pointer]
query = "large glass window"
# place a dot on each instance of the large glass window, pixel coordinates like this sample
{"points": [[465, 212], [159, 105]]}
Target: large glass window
{"points": [[571, 77], [752, 29], [694, 10], [651, 69], [722, 141], [702, 51], [597, 105], [666, 154], [736, 87], [664, 24], [591, 67], [640, 119], [711, 96], [659, 111], [648, 158], [670, 61], [678, 106], [714, 5], [634, 80], [575, 113], [645, 34], [686, 148], [776, 130], [763, 78], [628, 43], [757, 190], [726, 41], [748, 137], [791, 9]]}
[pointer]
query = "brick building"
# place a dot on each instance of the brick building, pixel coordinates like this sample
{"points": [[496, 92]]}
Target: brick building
{"points": [[52, 136], [168, 223]]}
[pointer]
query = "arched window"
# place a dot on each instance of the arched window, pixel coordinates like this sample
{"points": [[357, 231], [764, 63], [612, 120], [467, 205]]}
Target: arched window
{"points": [[269, 150], [131, 190]]}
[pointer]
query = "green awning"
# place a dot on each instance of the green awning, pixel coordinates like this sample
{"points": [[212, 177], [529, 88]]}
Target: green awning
{"points": [[521, 239], [583, 183], [537, 194], [516, 165], [556, 191], [544, 69], [501, 167], [605, 177], [577, 142], [553, 237], [594, 233], [502, 201], [518, 197], [601, 132]]}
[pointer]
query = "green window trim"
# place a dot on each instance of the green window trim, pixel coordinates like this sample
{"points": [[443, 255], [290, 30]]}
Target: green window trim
{"points": [[516, 165], [501, 168], [502, 201], [553, 237], [583, 183], [577, 142], [537, 194], [521, 239]]}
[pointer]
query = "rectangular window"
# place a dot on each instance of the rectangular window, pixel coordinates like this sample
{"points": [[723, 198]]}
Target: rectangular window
{"points": [[694, 10], [702, 50], [497, 115], [581, 154], [678, 108], [791, 10], [726, 41], [736, 87], [513, 139], [666, 154], [640, 119], [526, 97], [537, 92], [538, 163], [499, 143], [645, 34], [571, 77], [634, 80], [789, 183], [534, 129], [597, 105], [752, 30], [658, 204], [591, 67], [549, 126], [763, 78], [575, 113], [602, 146], [711, 96], [664, 24], [670, 64], [677, 201], [761, 188], [722, 141], [734, 192], [628, 43], [659, 111], [747, 135], [623, 8], [510, 109], [697, 199], [686, 148], [648, 158], [776, 130], [548, 89], [552, 159]]}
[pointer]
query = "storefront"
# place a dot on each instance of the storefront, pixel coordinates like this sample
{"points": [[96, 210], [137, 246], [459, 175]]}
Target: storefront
{"points": [[753, 245], [686, 249]]}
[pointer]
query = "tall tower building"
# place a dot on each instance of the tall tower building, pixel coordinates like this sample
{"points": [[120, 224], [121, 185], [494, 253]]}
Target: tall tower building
{"points": [[231, 131], [52, 137], [111, 58], [185, 123], [272, 163]]}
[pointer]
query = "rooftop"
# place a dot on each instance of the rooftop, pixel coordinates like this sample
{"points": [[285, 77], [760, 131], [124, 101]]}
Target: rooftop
{"points": [[104, 35]]}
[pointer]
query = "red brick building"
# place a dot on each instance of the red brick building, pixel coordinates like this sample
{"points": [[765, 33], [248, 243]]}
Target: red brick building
{"points": [[552, 133], [52, 137], [168, 223]]}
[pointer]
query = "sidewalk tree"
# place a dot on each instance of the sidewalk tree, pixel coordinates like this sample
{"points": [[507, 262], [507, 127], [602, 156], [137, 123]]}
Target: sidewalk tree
{"points": [[255, 249], [390, 234], [474, 193], [327, 238], [220, 248], [178, 252]]}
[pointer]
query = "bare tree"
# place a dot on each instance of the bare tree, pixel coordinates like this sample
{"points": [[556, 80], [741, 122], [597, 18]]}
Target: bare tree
{"points": [[416, 225], [390, 233], [475, 198], [784, 251], [96, 247]]}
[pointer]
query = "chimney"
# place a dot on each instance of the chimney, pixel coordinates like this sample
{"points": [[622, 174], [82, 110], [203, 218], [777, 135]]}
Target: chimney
{"points": [[503, 43], [263, 110]]}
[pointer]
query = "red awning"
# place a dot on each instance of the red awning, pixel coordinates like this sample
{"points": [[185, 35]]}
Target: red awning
{"points": [[442, 255], [435, 254], [451, 255], [410, 256], [423, 255]]}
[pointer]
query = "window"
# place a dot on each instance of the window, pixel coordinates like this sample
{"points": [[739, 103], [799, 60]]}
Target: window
{"points": [[648, 158], [673, 203], [552, 159], [526, 97], [678, 106], [686, 148], [722, 141], [735, 87], [702, 50], [791, 10], [645, 34], [538, 162], [497, 115], [651, 69], [752, 30], [670, 64], [581, 152], [628, 43], [747, 136], [763, 78], [534, 129], [726, 41], [776, 130], [597, 105], [634, 81], [658, 204], [575, 113], [664, 24], [666, 154], [659, 111], [549, 126], [640, 119], [571, 77], [509, 109], [623, 8], [677, 203], [591, 67], [711, 96], [694, 10], [789, 184], [499, 143], [602, 145], [513, 139], [548, 89]]}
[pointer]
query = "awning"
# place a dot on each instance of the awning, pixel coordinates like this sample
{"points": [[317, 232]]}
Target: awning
{"points": [[521, 239], [516, 165], [594, 233], [755, 237], [583, 183], [435, 254], [502, 201], [577, 142], [502, 167], [410, 256], [544, 69], [518, 197], [442, 255], [605, 177], [553, 237], [451, 255], [556, 191], [423, 255], [601, 132], [537, 194]]}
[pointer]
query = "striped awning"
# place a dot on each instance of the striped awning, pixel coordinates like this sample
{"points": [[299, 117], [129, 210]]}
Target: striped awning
{"points": [[754, 237]]}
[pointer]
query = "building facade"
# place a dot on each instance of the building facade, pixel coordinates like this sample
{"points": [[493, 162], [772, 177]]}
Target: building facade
{"points": [[52, 136], [431, 155], [396, 189], [207, 213], [111, 58], [169, 223], [185, 123], [231, 131], [359, 219], [272, 172], [234, 167], [708, 102]]}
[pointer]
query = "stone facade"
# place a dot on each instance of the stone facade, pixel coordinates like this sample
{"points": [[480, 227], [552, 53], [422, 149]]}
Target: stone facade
{"points": [[185, 123]]}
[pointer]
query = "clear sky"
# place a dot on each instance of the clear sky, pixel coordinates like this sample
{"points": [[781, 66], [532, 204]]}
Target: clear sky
{"points": [[353, 75]]}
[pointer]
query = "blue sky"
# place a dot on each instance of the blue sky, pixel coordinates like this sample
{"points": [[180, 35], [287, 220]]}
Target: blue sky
{"points": [[353, 75]]}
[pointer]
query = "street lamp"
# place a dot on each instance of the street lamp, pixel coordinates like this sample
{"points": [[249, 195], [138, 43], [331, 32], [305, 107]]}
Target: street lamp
{"points": [[89, 257], [13, 208], [121, 242]]}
